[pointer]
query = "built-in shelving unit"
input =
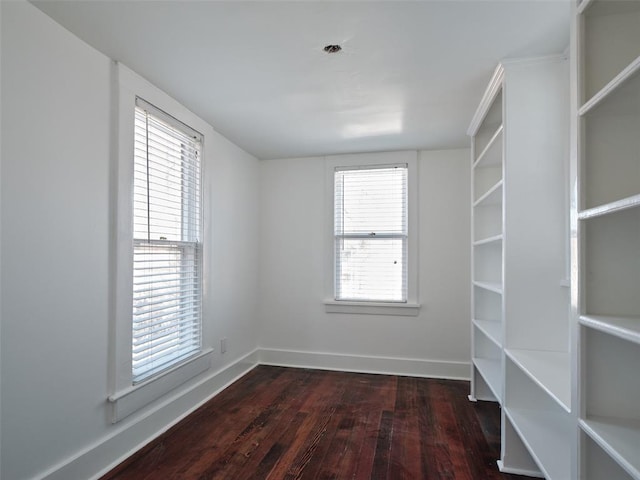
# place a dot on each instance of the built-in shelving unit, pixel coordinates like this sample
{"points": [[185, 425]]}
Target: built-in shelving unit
{"points": [[487, 249], [606, 229], [520, 304]]}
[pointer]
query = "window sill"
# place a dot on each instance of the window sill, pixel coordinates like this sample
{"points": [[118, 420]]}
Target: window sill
{"points": [[372, 308], [127, 401]]}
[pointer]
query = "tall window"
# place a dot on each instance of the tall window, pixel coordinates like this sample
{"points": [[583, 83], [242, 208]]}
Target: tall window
{"points": [[371, 233], [167, 243]]}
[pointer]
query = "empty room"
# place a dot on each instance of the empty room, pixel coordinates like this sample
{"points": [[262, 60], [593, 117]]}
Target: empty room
{"points": [[319, 239]]}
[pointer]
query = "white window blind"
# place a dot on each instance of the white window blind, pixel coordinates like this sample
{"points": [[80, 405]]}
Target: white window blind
{"points": [[371, 233], [167, 243]]}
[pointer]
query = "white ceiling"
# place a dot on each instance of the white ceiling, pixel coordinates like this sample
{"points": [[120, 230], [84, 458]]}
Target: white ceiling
{"points": [[410, 74]]}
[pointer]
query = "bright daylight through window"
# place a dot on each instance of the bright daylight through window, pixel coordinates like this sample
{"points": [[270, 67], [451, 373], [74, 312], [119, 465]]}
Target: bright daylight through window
{"points": [[167, 248], [371, 233]]}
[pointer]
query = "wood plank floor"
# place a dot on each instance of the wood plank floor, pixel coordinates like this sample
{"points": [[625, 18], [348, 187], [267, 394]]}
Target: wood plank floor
{"points": [[289, 423]]}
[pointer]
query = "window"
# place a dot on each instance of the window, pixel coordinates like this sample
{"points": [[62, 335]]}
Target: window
{"points": [[370, 231], [167, 247], [159, 337], [371, 253]]}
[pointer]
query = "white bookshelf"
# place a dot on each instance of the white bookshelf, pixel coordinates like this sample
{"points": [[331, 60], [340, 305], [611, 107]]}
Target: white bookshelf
{"points": [[606, 259], [487, 249], [520, 310]]}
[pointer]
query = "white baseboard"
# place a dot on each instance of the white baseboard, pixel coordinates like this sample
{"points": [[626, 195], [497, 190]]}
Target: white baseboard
{"points": [[363, 364], [133, 433], [131, 436]]}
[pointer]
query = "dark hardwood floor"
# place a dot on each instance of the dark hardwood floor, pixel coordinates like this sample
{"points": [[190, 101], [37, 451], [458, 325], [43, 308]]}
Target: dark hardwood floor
{"points": [[288, 423]]}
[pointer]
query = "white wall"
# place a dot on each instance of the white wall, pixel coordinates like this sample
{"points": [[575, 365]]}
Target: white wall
{"points": [[294, 325], [55, 232]]}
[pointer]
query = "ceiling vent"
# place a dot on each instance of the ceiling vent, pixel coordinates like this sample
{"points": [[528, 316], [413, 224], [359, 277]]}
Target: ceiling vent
{"points": [[332, 48]]}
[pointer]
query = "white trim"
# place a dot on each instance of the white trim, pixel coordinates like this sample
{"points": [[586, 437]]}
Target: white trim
{"points": [[410, 158], [412, 367], [128, 401], [128, 438], [555, 57], [372, 308], [495, 84]]}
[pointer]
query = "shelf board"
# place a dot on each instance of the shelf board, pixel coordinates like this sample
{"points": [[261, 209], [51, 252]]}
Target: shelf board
{"points": [[610, 88], [488, 240], [583, 5], [612, 207], [547, 436], [492, 329], [620, 438], [493, 196], [605, 7], [551, 371], [491, 371], [494, 141], [626, 328], [491, 286]]}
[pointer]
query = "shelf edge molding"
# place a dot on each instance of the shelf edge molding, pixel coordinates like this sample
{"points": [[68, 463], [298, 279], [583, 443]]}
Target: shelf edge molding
{"points": [[487, 240], [626, 328], [491, 286], [488, 194], [612, 207]]}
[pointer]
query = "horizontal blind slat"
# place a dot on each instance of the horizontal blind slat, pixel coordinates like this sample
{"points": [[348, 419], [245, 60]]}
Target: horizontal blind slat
{"points": [[162, 339], [183, 322]]}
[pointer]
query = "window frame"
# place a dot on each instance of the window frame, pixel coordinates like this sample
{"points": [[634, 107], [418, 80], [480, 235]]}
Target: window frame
{"points": [[353, 161], [191, 217], [126, 397]]}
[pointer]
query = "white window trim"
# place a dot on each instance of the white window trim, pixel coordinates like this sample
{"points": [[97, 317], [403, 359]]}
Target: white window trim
{"points": [[412, 306], [125, 397]]}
